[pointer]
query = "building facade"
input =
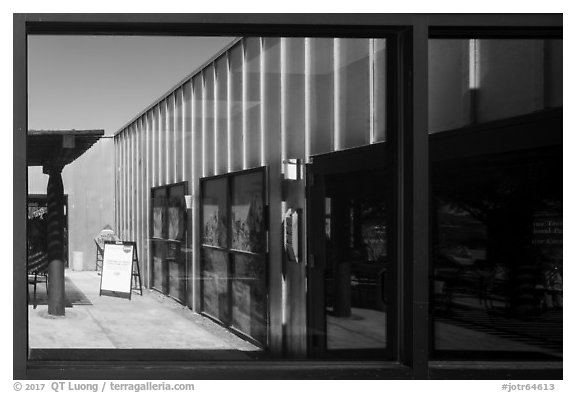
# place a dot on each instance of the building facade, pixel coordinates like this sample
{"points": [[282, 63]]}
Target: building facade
{"points": [[264, 191]]}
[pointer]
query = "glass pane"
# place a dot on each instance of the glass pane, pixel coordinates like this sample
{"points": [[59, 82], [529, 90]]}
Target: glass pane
{"points": [[358, 266], [498, 268], [159, 266], [497, 224], [214, 224], [261, 100], [158, 247], [176, 213], [159, 212], [215, 276], [248, 227], [176, 270], [249, 298]]}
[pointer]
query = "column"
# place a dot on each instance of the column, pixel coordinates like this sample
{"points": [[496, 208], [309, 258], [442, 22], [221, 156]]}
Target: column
{"points": [[55, 239]]}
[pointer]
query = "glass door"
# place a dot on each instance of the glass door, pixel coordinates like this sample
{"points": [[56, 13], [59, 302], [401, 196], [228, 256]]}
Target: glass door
{"points": [[351, 269], [168, 241]]}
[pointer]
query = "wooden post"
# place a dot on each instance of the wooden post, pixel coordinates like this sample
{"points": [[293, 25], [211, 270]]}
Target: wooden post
{"points": [[55, 225]]}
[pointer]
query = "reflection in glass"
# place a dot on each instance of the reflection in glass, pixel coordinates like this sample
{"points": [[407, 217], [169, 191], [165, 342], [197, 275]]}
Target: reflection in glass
{"points": [[379, 96], [36, 229], [498, 270], [158, 221], [157, 246], [480, 80], [221, 116], [252, 102], [234, 283], [214, 232], [170, 140], [353, 77], [249, 296], [208, 121], [321, 99], [357, 263], [176, 213], [178, 135], [497, 277], [175, 223], [158, 211], [215, 284], [248, 228]]}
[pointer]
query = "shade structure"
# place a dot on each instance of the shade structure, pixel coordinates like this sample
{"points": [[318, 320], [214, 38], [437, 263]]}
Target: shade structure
{"points": [[53, 150], [58, 148]]}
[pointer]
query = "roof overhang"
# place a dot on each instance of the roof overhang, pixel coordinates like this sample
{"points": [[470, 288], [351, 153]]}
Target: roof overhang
{"points": [[58, 148]]}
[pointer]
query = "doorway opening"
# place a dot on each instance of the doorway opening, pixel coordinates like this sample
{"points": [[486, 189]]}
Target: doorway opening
{"points": [[351, 279], [169, 240]]}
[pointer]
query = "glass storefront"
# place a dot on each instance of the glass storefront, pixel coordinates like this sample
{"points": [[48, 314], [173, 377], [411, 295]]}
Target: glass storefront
{"points": [[496, 212], [283, 195]]}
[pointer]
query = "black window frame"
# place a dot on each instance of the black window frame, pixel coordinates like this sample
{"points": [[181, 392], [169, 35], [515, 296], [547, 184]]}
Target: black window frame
{"points": [[413, 32]]}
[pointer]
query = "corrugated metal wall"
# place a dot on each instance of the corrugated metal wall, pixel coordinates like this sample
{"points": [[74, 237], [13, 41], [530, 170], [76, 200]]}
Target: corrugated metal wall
{"points": [[261, 101]]}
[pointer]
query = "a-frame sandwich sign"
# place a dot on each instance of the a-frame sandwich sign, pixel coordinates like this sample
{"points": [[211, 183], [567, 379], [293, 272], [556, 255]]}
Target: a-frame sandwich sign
{"points": [[120, 270]]}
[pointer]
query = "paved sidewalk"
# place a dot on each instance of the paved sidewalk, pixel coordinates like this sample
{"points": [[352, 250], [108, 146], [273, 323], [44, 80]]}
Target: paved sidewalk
{"points": [[151, 321]]}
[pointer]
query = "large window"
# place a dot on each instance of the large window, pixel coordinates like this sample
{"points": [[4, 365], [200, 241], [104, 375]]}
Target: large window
{"points": [[234, 248], [496, 212], [372, 200]]}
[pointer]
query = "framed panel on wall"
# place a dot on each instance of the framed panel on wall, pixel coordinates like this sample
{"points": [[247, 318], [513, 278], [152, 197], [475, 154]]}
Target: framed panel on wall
{"points": [[169, 240], [233, 237]]}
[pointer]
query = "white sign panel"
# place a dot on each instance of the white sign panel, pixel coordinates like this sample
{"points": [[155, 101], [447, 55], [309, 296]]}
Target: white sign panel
{"points": [[117, 268]]}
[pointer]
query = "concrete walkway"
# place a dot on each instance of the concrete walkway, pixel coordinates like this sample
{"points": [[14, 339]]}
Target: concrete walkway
{"points": [[151, 321]]}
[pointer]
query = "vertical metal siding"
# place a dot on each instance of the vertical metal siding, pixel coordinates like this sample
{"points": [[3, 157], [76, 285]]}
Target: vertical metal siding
{"points": [[196, 174], [148, 182], [255, 105]]}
